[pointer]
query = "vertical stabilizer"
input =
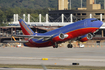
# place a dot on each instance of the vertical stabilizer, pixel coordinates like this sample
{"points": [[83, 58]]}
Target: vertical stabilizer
{"points": [[25, 28]]}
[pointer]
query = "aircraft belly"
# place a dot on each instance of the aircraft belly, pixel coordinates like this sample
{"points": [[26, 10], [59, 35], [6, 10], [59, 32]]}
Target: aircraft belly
{"points": [[80, 32], [74, 34]]}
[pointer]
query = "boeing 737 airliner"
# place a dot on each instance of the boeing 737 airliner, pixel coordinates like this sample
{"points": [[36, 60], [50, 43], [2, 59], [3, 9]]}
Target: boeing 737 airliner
{"points": [[81, 30]]}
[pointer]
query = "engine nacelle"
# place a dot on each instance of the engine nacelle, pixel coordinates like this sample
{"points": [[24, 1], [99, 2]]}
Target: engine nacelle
{"points": [[86, 37], [63, 36]]}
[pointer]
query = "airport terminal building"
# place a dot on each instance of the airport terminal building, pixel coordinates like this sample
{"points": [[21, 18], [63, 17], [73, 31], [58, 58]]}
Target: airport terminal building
{"points": [[79, 14]]}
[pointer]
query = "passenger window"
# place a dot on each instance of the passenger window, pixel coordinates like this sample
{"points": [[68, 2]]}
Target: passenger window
{"points": [[94, 20]]}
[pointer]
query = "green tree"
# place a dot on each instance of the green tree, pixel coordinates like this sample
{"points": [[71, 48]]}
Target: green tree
{"points": [[2, 17]]}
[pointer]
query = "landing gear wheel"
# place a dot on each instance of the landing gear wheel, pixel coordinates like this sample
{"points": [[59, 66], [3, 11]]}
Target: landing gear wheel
{"points": [[55, 46], [69, 45]]}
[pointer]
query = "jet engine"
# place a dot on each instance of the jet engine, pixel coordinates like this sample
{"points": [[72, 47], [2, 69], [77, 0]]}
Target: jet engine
{"points": [[63, 36], [86, 37]]}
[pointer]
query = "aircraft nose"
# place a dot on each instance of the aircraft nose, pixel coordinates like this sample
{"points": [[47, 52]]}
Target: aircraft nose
{"points": [[100, 23], [97, 24]]}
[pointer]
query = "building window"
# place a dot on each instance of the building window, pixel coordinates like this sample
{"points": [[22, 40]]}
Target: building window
{"points": [[98, 18], [83, 13], [83, 18], [67, 13], [74, 14], [99, 13], [78, 14], [79, 19]]}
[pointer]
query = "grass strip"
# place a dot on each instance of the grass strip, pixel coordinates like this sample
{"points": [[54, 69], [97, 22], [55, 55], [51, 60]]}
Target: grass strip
{"points": [[52, 67]]}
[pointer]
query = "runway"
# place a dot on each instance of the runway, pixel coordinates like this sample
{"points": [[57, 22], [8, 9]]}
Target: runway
{"points": [[24, 69], [59, 56]]}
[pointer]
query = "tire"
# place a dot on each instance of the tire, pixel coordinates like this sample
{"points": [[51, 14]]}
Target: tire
{"points": [[69, 45], [55, 46]]}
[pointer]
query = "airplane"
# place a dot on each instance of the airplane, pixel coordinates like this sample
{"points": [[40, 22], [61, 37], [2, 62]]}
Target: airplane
{"points": [[82, 31]]}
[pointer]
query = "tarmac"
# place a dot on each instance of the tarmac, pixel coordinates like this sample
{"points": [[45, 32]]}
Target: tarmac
{"points": [[24, 69], [90, 56]]}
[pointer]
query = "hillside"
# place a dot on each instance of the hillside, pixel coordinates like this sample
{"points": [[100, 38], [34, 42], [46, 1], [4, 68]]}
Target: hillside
{"points": [[32, 7], [33, 4], [39, 4]]}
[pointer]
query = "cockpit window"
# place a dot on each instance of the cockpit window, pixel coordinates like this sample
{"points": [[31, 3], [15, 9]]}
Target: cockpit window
{"points": [[94, 20]]}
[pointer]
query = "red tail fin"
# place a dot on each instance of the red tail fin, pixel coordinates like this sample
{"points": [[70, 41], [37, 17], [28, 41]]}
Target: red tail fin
{"points": [[25, 28]]}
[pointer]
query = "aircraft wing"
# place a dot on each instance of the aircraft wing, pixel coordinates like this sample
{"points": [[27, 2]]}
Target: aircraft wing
{"points": [[8, 41], [35, 36], [39, 37]]}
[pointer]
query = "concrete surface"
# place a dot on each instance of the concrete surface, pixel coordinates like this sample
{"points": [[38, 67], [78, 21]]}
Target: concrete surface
{"points": [[59, 56], [25, 69]]}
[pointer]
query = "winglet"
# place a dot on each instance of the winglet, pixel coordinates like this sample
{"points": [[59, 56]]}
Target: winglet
{"points": [[25, 28]]}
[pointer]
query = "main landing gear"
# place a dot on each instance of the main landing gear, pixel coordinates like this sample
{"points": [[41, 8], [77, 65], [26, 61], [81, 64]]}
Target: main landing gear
{"points": [[69, 45], [55, 45]]}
